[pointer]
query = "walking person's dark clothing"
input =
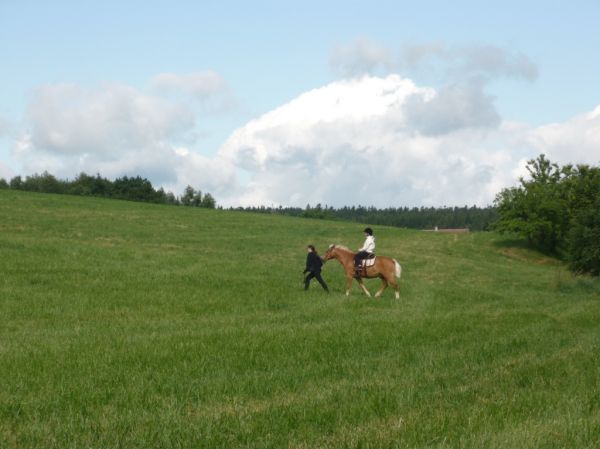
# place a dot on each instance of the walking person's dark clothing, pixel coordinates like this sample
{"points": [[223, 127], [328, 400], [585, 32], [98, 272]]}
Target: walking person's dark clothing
{"points": [[313, 268]]}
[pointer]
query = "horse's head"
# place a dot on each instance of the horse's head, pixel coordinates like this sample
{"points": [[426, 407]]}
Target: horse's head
{"points": [[330, 253]]}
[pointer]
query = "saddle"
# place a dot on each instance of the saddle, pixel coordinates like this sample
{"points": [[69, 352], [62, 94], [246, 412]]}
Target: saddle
{"points": [[361, 268], [368, 261]]}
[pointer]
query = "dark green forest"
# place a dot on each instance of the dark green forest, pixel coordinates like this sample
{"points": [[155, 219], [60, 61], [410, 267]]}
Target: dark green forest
{"points": [[474, 218]]}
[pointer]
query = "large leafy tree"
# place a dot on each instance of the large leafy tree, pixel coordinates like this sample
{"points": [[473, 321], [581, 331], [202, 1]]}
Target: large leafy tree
{"points": [[45, 182], [208, 201], [187, 198], [556, 208], [536, 209], [583, 239]]}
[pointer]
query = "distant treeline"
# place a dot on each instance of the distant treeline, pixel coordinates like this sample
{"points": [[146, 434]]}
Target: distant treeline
{"points": [[141, 189], [474, 218], [124, 188]]}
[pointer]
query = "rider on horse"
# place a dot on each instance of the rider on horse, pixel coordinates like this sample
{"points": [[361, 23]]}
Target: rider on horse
{"points": [[365, 251]]}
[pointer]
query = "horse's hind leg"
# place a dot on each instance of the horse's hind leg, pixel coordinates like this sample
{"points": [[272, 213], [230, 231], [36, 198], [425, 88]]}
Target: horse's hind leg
{"points": [[396, 287], [384, 284]]}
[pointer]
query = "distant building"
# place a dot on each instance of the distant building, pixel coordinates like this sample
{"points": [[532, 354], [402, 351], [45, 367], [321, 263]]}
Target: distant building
{"points": [[449, 231]]}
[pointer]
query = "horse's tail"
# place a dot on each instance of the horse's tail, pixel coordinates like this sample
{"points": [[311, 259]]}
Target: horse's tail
{"points": [[398, 268]]}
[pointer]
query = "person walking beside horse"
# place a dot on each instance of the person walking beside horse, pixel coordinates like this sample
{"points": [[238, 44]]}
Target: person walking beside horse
{"points": [[313, 268]]}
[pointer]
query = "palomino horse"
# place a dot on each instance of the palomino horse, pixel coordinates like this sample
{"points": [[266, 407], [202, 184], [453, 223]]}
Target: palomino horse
{"points": [[385, 268]]}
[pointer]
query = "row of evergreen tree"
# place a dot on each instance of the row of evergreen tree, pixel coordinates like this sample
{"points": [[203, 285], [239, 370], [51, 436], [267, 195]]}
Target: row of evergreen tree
{"points": [[474, 218], [124, 188], [557, 209], [141, 189]]}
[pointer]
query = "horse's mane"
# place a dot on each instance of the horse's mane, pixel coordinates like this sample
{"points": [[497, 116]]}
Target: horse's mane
{"points": [[345, 248]]}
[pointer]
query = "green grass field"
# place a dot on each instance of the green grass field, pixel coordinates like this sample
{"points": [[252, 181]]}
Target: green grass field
{"points": [[128, 325]]}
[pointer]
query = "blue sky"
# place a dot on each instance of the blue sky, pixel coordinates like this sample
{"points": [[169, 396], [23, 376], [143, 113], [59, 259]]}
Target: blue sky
{"points": [[527, 63]]}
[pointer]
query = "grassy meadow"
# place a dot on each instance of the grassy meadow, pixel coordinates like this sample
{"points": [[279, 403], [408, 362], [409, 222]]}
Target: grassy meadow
{"points": [[129, 325]]}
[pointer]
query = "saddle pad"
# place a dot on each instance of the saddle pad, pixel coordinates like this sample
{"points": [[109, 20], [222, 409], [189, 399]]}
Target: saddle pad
{"points": [[369, 262]]}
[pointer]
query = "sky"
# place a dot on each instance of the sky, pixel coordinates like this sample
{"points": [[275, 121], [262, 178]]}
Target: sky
{"points": [[378, 103]]}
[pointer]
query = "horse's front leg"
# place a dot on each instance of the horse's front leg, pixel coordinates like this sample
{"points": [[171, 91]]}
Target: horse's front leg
{"points": [[348, 283], [362, 285]]}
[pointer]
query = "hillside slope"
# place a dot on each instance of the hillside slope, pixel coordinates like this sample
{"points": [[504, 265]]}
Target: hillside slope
{"points": [[142, 326]]}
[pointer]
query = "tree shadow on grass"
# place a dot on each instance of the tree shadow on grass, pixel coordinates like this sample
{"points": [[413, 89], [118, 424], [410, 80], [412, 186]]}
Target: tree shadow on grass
{"points": [[564, 280], [520, 248], [513, 242]]}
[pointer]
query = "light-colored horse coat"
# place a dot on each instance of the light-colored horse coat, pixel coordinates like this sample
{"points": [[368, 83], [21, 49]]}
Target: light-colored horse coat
{"points": [[385, 268]]}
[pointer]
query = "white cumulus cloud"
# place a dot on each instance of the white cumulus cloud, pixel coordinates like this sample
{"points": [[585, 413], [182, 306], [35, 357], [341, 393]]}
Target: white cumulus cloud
{"points": [[206, 88], [68, 119], [198, 84], [363, 55], [451, 108], [367, 56], [356, 142], [369, 140], [574, 141], [115, 130]]}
